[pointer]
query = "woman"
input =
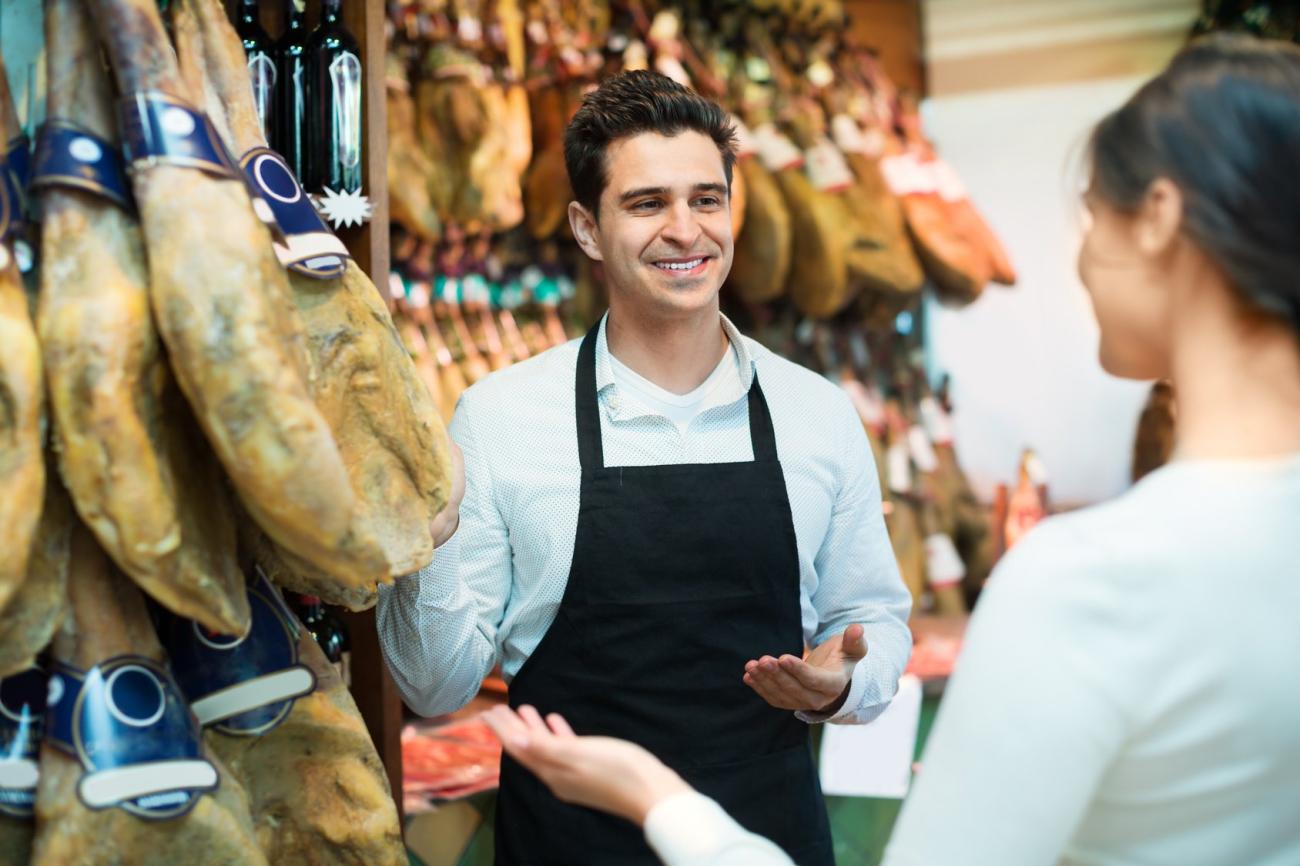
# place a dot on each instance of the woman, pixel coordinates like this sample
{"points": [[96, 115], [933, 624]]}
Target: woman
{"points": [[1128, 689]]}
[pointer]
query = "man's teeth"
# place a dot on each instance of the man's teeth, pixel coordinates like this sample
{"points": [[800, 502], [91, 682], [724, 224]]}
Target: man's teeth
{"points": [[681, 266]]}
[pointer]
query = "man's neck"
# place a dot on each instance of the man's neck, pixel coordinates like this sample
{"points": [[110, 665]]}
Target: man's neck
{"points": [[677, 355]]}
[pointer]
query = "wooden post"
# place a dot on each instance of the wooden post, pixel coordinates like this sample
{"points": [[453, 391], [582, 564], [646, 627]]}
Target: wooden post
{"points": [[372, 687], [369, 243]]}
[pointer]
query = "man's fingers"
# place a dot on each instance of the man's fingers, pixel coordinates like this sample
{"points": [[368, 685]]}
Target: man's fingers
{"points": [[779, 688], [854, 644], [818, 681]]}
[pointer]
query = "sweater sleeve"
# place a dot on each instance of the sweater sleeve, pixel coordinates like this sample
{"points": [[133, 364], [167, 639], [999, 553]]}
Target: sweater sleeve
{"points": [[692, 830], [1030, 720]]}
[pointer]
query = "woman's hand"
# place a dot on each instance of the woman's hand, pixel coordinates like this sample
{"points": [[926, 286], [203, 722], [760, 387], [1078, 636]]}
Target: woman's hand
{"points": [[602, 773]]}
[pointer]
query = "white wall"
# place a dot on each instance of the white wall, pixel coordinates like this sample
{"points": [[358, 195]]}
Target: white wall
{"points": [[1023, 360]]}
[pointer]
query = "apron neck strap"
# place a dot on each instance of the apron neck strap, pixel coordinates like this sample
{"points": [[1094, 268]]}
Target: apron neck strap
{"points": [[591, 452]]}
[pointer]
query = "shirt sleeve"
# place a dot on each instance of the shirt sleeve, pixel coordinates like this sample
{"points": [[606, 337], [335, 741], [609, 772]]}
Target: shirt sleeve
{"points": [[859, 582], [1030, 720], [438, 627], [692, 830]]}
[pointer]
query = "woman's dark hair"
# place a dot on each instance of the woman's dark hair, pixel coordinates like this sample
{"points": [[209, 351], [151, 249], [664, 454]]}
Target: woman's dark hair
{"points": [[1223, 124], [629, 104]]}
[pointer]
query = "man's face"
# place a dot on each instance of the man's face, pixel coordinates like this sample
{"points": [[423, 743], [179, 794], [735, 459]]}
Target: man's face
{"points": [[664, 231]]}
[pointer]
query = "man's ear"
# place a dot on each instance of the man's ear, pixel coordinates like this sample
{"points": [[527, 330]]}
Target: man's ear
{"points": [[585, 230]]}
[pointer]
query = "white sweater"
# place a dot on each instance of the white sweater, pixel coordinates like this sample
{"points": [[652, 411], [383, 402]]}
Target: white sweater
{"points": [[1129, 693]]}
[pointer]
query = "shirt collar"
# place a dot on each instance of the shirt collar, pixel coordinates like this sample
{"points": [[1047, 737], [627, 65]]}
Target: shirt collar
{"points": [[739, 351]]}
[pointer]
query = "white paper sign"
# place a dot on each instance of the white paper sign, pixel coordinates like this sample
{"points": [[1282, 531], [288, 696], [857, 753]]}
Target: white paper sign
{"points": [[874, 760]]}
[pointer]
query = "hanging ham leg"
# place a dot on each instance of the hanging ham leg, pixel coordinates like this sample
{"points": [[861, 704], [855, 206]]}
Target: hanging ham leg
{"points": [[393, 444], [108, 618], [36, 611], [317, 788], [144, 489], [22, 394], [222, 306]]}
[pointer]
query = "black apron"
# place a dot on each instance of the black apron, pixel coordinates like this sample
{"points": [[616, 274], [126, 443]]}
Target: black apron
{"points": [[680, 575]]}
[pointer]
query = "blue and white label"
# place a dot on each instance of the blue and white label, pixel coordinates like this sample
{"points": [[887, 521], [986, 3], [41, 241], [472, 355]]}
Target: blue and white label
{"points": [[22, 722], [242, 686], [68, 155], [158, 129], [308, 246], [127, 724]]}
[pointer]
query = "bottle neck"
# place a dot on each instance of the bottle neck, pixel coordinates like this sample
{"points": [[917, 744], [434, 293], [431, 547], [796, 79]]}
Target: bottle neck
{"points": [[248, 12], [331, 11]]}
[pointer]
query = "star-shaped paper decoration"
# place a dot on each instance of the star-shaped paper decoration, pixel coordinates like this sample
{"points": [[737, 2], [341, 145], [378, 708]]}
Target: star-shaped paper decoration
{"points": [[342, 209]]}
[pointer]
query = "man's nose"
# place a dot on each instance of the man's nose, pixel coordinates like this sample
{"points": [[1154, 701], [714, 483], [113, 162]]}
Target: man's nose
{"points": [[682, 228]]}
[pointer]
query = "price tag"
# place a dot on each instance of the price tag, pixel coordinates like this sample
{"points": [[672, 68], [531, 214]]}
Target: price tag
{"points": [[826, 168], [943, 564], [776, 150], [905, 176], [848, 136], [898, 462], [946, 181], [745, 143], [936, 421], [922, 451]]}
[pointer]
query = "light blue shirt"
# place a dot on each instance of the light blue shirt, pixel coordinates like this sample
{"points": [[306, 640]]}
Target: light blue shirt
{"points": [[493, 590]]}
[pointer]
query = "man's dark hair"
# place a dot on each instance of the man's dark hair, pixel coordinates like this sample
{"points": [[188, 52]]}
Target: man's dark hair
{"points": [[629, 104], [1223, 123]]}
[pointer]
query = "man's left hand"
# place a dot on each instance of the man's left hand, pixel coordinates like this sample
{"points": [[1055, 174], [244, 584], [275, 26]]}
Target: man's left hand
{"points": [[817, 684]]}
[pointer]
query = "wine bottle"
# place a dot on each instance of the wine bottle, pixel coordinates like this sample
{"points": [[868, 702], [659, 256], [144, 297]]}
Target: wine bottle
{"points": [[290, 137], [334, 140], [330, 633], [261, 62]]}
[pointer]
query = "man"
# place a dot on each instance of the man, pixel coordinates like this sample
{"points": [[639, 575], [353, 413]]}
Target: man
{"points": [[658, 519]]}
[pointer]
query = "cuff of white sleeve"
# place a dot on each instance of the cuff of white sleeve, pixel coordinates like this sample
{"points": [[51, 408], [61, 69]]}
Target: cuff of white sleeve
{"points": [[871, 688], [857, 688], [689, 828]]}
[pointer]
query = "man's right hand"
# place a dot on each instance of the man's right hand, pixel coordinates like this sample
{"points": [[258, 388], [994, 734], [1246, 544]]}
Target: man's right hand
{"points": [[443, 527]]}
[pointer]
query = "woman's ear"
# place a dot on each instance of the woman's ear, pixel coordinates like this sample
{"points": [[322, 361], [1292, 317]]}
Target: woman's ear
{"points": [[1160, 218], [585, 230]]}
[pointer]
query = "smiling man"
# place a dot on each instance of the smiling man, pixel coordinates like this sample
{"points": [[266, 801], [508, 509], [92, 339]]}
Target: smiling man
{"points": [[658, 518]]}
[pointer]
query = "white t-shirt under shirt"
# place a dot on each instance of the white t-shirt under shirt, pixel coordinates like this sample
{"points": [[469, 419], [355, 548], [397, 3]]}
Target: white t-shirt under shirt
{"points": [[681, 409], [1129, 693]]}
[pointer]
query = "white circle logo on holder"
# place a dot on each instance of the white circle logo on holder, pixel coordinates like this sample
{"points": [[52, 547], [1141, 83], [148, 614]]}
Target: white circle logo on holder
{"points": [[177, 121], [275, 180], [131, 706], [85, 149]]}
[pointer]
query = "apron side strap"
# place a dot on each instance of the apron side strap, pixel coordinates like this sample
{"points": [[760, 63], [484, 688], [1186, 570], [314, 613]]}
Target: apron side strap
{"points": [[760, 425], [590, 450]]}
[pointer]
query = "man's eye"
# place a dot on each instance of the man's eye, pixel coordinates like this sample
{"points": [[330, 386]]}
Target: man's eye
{"points": [[708, 201], [647, 205]]}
